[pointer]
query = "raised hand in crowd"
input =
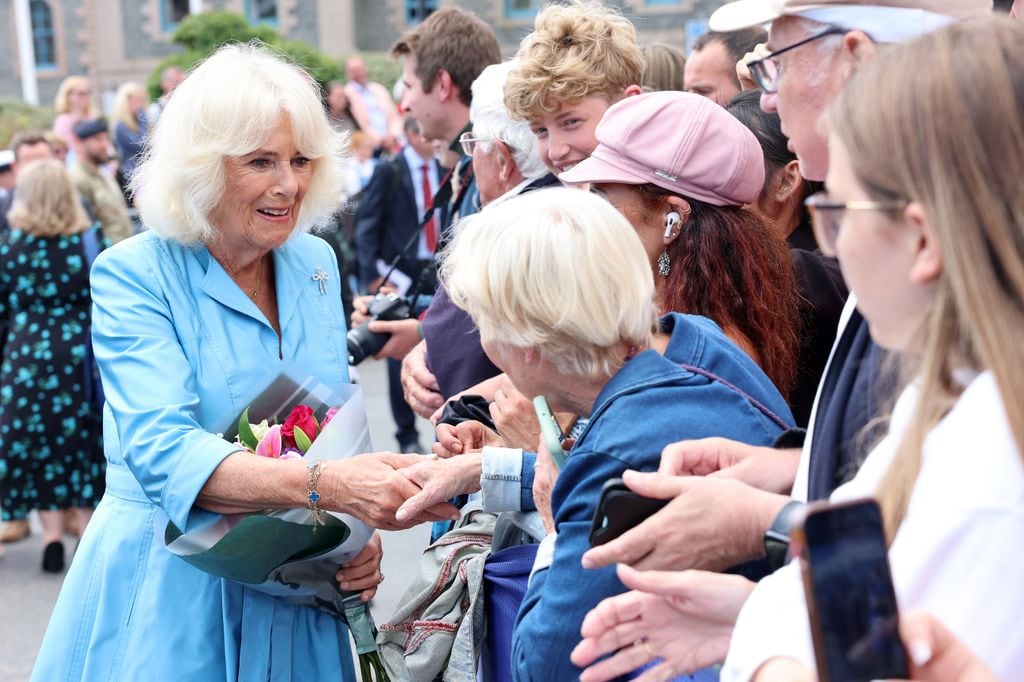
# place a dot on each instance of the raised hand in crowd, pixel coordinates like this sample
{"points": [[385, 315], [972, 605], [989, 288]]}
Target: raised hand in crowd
{"points": [[711, 523], [515, 418], [465, 437], [419, 384], [685, 619], [760, 51], [363, 572], [766, 468]]}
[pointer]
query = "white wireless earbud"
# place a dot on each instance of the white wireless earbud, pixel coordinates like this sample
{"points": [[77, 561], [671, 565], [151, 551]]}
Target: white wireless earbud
{"points": [[671, 220]]}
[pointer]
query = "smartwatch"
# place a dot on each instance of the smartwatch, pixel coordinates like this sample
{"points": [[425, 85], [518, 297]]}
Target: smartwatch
{"points": [[776, 538]]}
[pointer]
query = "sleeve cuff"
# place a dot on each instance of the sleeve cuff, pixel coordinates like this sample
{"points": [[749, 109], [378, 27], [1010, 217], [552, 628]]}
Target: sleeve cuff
{"points": [[501, 479]]}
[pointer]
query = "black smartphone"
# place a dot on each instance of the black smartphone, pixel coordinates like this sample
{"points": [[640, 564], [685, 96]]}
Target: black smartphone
{"points": [[850, 597], [618, 510]]}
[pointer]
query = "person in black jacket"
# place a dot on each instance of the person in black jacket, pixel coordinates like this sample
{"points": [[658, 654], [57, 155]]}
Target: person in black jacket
{"points": [[387, 224]]}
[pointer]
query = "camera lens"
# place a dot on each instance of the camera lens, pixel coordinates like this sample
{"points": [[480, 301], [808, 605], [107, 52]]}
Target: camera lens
{"points": [[362, 343]]}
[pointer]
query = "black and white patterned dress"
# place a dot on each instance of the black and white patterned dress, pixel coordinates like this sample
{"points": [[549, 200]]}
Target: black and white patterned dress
{"points": [[51, 445]]}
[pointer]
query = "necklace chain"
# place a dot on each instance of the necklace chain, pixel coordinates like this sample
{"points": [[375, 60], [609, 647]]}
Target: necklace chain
{"points": [[234, 276]]}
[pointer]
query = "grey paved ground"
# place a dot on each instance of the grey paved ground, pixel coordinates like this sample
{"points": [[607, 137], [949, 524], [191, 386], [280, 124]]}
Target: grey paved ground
{"points": [[27, 594]]}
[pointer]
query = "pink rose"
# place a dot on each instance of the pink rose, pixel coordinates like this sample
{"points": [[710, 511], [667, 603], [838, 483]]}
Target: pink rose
{"points": [[301, 417], [270, 444], [328, 417]]}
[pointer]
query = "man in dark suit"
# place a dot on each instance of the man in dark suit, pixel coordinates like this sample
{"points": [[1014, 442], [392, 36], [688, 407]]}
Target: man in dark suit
{"points": [[390, 209], [388, 228]]}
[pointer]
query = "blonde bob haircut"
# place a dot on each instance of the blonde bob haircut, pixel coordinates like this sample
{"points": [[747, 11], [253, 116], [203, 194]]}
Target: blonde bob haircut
{"points": [[227, 107], [576, 51], [46, 203], [959, 129], [62, 102], [559, 270]]}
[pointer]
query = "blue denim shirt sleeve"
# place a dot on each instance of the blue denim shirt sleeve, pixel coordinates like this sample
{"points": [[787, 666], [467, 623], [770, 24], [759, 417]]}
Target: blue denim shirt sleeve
{"points": [[549, 620], [506, 479]]}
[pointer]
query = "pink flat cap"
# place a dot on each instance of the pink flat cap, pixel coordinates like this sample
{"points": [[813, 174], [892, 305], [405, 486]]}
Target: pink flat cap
{"points": [[681, 142]]}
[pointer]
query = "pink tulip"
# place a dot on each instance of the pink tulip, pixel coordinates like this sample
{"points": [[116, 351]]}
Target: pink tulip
{"points": [[328, 417], [291, 453], [270, 444]]}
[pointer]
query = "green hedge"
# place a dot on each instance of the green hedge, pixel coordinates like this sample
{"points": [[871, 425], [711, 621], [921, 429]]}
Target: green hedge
{"points": [[16, 116]]}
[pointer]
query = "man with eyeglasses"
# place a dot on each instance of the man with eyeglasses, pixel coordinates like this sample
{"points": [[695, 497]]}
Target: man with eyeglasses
{"points": [[814, 47]]}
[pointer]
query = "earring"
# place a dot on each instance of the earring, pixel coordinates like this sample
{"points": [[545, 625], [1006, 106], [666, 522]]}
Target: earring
{"points": [[664, 263]]}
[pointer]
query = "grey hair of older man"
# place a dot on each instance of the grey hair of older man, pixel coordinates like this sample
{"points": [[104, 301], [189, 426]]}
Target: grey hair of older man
{"points": [[491, 119]]}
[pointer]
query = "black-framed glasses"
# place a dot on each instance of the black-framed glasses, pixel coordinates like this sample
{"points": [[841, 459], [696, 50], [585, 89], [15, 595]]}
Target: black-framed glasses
{"points": [[765, 71], [827, 215], [469, 142]]}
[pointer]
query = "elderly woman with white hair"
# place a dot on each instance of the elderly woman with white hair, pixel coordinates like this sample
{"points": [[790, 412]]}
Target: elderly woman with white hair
{"points": [[561, 289], [190, 317]]}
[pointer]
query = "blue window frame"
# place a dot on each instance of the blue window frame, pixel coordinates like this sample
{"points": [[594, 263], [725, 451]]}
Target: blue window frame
{"points": [[522, 9], [261, 11], [42, 34], [172, 12], [418, 10]]}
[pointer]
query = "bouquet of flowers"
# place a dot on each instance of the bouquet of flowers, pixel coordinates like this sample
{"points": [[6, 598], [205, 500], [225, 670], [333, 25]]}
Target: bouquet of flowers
{"points": [[290, 553]]}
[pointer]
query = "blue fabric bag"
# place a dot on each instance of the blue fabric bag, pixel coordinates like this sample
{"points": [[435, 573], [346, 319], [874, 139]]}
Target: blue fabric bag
{"points": [[506, 574]]}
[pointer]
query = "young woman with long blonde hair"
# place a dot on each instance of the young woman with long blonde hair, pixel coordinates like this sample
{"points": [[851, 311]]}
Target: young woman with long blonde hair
{"points": [[73, 103], [926, 214]]}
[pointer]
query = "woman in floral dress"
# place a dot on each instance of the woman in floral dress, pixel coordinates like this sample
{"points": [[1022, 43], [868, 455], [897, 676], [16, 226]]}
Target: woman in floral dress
{"points": [[51, 450]]}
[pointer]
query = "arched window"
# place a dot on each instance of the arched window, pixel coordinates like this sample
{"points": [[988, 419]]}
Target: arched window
{"points": [[42, 34], [261, 11]]}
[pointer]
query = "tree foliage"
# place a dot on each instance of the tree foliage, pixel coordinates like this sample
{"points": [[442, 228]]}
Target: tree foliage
{"points": [[200, 34]]}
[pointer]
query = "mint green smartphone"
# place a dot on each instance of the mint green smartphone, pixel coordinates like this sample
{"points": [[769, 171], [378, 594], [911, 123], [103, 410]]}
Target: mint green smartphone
{"points": [[550, 430]]}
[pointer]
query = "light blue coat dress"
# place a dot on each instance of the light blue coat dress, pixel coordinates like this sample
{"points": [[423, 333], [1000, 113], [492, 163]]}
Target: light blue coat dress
{"points": [[180, 346]]}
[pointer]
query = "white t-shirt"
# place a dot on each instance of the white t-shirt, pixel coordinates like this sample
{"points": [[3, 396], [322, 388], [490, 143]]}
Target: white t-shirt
{"points": [[959, 553]]}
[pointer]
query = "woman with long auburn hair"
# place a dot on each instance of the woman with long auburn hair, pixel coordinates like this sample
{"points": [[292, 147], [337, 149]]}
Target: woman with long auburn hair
{"points": [[681, 170]]}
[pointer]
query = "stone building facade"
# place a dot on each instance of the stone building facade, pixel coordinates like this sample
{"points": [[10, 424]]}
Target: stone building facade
{"points": [[112, 41]]}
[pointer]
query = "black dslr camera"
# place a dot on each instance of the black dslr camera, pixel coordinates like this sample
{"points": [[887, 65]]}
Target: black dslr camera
{"points": [[362, 343]]}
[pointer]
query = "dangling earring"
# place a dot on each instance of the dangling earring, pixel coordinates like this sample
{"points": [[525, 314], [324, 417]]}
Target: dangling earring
{"points": [[664, 264]]}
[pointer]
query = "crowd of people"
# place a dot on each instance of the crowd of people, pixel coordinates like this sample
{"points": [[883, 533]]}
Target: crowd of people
{"points": [[786, 269]]}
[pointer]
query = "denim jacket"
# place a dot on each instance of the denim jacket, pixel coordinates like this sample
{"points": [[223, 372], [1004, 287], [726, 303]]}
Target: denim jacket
{"points": [[650, 402]]}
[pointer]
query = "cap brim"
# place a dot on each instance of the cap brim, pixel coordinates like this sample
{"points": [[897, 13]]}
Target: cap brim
{"points": [[596, 169], [744, 14]]}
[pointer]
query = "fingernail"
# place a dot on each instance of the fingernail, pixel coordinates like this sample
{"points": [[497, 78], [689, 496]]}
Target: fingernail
{"points": [[345, 584], [587, 561], [920, 652]]}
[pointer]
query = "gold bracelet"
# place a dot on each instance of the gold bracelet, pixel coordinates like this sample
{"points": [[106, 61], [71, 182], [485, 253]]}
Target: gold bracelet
{"points": [[312, 495]]}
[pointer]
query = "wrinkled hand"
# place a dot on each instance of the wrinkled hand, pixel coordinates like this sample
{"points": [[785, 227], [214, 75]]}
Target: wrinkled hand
{"points": [[439, 480], [761, 467], [686, 619], [743, 72], [369, 488], [936, 655], [514, 416], [469, 436], [712, 523], [544, 477], [363, 572], [360, 304], [405, 334], [420, 386]]}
